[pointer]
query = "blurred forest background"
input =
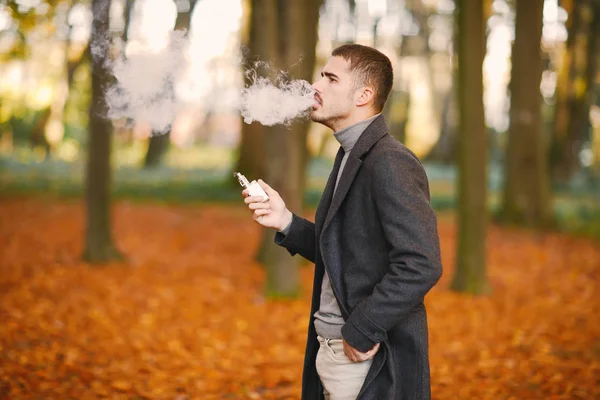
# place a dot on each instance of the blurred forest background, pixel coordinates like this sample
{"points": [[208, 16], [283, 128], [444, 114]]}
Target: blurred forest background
{"points": [[499, 98]]}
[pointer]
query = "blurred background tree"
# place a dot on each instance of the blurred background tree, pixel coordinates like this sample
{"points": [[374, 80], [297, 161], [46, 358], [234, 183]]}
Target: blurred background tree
{"points": [[472, 151], [282, 32], [529, 154], [527, 186], [99, 247], [576, 89], [159, 141]]}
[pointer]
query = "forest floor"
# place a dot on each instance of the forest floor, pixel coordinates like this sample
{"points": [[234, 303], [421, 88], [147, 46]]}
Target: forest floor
{"points": [[183, 317]]}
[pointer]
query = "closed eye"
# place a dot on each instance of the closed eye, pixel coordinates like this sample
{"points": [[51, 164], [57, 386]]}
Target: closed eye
{"points": [[330, 76]]}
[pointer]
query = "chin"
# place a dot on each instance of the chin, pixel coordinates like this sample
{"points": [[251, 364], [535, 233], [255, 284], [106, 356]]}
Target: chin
{"points": [[318, 119], [321, 120]]}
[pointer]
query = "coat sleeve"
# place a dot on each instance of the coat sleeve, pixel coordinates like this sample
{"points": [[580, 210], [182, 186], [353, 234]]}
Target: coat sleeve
{"points": [[401, 194], [299, 239]]}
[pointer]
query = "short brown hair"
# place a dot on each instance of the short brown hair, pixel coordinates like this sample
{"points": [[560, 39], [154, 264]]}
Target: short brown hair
{"points": [[371, 68]]}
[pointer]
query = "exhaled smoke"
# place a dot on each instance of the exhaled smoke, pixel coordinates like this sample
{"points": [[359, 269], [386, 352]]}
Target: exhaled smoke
{"points": [[145, 85], [278, 102]]}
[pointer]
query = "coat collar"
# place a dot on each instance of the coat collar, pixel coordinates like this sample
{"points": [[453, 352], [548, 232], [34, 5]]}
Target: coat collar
{"points": [[374, 132], [371, 135], [348, 137]]}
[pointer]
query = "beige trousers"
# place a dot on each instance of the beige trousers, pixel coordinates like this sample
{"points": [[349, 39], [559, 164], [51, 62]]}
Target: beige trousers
{"points": [[342, 379]]}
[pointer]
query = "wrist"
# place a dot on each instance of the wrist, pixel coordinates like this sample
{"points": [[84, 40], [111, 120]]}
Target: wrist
{"points": [[286, 220]]}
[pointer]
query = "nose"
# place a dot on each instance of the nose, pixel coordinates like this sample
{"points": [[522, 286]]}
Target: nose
{"points": [[317, 86]]}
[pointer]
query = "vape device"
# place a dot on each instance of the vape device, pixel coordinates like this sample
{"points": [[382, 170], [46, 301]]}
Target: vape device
{"points": [[253, 187]]}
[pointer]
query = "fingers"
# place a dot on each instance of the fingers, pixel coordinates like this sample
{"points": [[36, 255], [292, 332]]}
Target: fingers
{"points": [[259, 213], [262, 211], [350, 351], [254, 199], [350, 354], [360, 357], [369, 354], [245, 193], [356, 356], [266, 188], [372, 352], [256, 206]]}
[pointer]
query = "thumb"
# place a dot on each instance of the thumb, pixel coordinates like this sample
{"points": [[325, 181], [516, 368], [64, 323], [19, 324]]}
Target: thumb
{"points": [[374, 349], [270, 191]]}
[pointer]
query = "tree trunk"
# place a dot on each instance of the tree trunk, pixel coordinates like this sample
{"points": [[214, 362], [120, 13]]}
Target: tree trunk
{"points": [[396, 112], [185, 9], [282, 173], [258, 34], [250, 150], [126, 21], [158, 143], [571, 97], [422, 14], [470, 275], [99, 246], [38, 132], [397, 108], [250, 160], [72, 66], [262, 46], [592, 89], [583, 122], [527, 187], [285, 149], [444, 150]]}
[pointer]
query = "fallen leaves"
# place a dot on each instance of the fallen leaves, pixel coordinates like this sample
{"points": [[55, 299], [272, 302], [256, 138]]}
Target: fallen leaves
{"points": [[184, 316]]}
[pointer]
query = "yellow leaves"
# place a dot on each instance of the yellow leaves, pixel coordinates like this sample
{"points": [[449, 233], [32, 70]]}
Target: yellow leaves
{"points": [[190, 322], [276, 377], [241, 325], [121, 385], [517, 337], [147, 320], [71, 356], [177, 349]]}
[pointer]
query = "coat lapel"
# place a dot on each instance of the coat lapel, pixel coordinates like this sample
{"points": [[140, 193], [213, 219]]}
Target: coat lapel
{"points": [[328, 192], [375, 131]]}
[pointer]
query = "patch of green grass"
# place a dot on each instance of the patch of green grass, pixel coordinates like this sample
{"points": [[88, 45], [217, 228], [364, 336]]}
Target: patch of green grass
{"points": [[169, 185], [582, 218], [213, 183]]}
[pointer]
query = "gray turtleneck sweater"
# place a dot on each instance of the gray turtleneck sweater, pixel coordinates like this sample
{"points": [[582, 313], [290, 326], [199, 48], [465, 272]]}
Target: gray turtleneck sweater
{"points": [[329, 320]]}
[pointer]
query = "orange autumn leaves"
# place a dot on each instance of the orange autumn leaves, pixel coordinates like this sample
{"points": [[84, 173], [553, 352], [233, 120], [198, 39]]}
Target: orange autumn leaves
{"points": [[184, 317]]}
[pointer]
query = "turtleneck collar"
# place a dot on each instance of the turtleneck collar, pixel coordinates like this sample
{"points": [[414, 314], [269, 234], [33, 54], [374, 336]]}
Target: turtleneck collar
{"points": [[348, 137]]}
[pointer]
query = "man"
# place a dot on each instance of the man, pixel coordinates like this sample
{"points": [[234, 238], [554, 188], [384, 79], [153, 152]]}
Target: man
{"points": [[374, 243]]}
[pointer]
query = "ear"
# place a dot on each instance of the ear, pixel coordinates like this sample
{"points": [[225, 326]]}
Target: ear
{"points": [[365, 96]]}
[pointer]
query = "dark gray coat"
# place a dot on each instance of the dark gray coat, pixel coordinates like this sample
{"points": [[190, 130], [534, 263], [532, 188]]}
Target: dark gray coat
{"points": [[377, 239]]}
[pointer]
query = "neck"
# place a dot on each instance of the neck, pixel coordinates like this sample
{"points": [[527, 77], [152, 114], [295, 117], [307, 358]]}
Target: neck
{"points": [[341, 124]]}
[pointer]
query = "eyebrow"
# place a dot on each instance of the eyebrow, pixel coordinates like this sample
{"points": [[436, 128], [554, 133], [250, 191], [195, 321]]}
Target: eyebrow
{"points": [[329, 75]]}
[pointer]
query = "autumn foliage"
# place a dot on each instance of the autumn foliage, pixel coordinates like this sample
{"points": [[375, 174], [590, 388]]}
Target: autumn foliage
{"points": [[184, 317]]}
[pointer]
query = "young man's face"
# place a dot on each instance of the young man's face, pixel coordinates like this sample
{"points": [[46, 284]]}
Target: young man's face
{"points": [[335, 94]]}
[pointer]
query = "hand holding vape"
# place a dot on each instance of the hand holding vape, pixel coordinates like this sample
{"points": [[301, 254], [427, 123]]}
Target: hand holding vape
{"points": [[253, 187]]}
